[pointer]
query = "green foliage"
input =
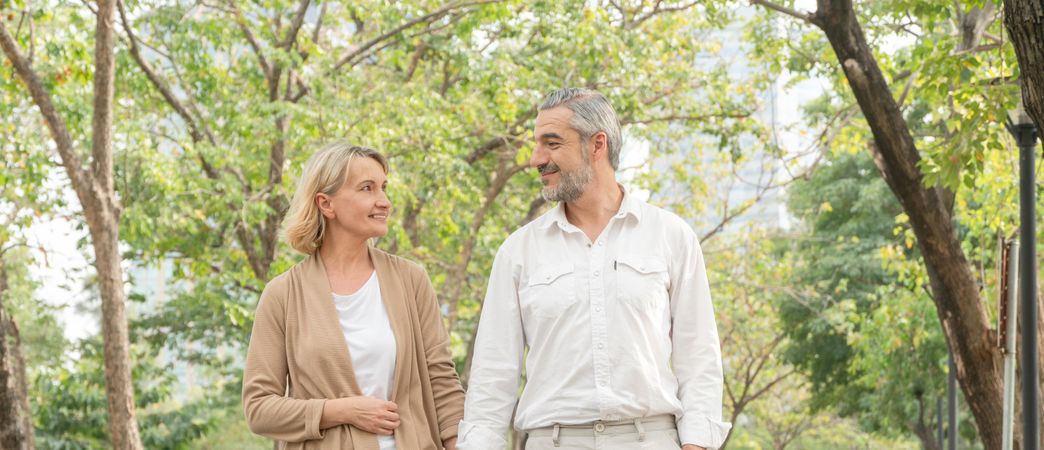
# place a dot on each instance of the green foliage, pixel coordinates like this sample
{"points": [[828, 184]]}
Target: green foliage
{"points": [[42, 341], [847, 208], [433, 96], [451, 101], [69, 404]]}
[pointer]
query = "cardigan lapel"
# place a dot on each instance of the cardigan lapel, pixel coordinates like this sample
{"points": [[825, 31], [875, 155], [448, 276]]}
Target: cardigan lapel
{"points": [[317, 289], [394, 297]]}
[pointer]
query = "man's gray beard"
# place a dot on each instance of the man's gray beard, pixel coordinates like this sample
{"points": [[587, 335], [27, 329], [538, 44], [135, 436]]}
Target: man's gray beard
{"points": [[570, 186]]}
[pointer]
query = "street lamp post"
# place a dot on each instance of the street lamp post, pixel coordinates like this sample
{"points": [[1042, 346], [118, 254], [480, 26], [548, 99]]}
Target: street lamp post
{"points": [[1025, 132]]}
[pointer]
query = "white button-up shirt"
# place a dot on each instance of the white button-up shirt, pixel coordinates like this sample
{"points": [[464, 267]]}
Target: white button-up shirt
{"points": [[618, 328]]}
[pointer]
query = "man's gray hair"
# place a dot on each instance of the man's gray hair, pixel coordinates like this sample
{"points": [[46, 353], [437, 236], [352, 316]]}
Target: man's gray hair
{"points": [[592, 113]]}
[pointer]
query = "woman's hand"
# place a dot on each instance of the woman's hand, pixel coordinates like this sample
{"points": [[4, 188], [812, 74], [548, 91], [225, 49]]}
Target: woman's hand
{"points": [[450, 444], [366, 413]]}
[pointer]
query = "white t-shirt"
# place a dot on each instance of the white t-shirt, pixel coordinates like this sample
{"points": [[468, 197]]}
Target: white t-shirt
{"points": [[370, 342]]}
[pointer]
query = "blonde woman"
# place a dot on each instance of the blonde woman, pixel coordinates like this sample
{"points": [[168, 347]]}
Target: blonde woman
{"points": [[348, 350]]}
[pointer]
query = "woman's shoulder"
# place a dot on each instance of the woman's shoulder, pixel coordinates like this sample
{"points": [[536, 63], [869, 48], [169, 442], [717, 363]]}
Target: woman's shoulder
{"points": [[279, 287], [402, 266]]}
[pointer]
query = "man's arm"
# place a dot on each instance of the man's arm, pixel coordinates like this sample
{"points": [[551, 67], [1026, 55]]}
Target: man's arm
{"points": [[696, 355], [496, 365]]}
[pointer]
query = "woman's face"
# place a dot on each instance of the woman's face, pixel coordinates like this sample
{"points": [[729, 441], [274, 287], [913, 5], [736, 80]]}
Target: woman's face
{"points": [[360, 207]]}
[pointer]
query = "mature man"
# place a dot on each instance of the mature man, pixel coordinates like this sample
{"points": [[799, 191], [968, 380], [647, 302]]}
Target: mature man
{"points": [[610, 296]]}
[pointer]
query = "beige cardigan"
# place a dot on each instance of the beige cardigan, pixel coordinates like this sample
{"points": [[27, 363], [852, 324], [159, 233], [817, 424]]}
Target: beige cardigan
{"points": [[297, 341]]}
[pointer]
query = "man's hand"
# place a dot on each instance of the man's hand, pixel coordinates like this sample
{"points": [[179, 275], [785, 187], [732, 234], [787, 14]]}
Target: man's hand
{"points": [[450, 444], [692, 447]]}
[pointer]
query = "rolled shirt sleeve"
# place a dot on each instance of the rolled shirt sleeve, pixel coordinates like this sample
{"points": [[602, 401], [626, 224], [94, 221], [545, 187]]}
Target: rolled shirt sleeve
{"points": [[696, 356], [497, 363]]}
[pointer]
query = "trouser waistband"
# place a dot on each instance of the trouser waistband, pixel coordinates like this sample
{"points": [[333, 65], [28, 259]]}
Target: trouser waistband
{"points": [[604, 427]]}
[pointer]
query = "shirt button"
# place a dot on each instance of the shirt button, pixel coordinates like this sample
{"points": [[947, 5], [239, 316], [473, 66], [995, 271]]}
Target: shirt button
{"points": [[600, 243], [601, 346], [596, 273], [598, 309]]}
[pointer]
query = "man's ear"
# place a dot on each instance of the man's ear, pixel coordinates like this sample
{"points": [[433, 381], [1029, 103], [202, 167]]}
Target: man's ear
{"points": [[599, 146]]}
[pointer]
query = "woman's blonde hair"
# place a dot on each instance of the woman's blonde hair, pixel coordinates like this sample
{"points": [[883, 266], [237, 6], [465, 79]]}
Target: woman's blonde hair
{"points": [[326, 171]]}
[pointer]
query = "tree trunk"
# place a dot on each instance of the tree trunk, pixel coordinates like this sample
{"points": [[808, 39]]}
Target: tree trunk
{"points": [[102, 211], [123, 424], [457, 277], [924, 432], [1024, 20], [16, 426], [95, 191], [953, 285], [927, 437]]}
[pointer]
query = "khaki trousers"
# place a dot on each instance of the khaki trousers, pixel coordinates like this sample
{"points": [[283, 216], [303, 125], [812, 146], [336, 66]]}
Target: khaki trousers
{"points": [[647, 433]]}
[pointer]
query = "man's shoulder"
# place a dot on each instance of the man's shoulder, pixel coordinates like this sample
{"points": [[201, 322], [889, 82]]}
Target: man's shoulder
{"points": [[668, 221]]}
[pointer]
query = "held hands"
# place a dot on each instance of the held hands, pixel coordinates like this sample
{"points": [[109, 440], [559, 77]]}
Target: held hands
{"points": [[450, 444], [692, 447], [366, 413]]}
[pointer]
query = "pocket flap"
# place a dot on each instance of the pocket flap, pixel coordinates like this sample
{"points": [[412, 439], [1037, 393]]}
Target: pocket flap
{"points": [[548, 273], [643, 264]]}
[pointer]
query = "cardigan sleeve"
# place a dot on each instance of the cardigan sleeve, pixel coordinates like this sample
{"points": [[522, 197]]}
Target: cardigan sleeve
{"points": [[268, 411], [445, 385]]}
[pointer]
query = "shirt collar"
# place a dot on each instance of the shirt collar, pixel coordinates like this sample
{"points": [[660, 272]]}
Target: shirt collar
{"points": [[630, 206]]}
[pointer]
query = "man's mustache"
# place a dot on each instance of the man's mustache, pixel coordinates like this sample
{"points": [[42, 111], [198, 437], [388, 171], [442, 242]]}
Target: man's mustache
{"points": [[547, 168]]}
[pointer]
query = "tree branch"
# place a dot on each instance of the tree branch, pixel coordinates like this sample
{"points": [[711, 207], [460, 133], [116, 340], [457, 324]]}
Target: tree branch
{"points": [[685, 118], [319, 23], [252, 39], [657, 11], [425, 18], [104, 92], [456, 277], [535, 207], [807, 17], [295, 26], [80, 179], [501, 141], [165, 91]]}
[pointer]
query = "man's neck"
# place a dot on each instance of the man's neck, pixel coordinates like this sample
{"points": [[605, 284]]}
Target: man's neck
{"points": [[593, 210]]}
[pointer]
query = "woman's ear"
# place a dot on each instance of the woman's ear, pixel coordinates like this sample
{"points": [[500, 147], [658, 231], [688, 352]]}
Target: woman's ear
{"points": [[322, 201]]}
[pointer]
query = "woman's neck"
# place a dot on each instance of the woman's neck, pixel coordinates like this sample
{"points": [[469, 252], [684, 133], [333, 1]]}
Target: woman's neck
{"points": [[342, 257]]}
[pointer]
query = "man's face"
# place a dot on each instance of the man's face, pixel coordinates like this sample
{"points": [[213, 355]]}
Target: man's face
{"points": [[560, 156]]}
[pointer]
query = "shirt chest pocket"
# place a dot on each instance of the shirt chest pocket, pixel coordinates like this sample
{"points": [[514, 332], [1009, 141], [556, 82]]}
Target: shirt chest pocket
{"points": [[641, 281], [550, 290]]}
